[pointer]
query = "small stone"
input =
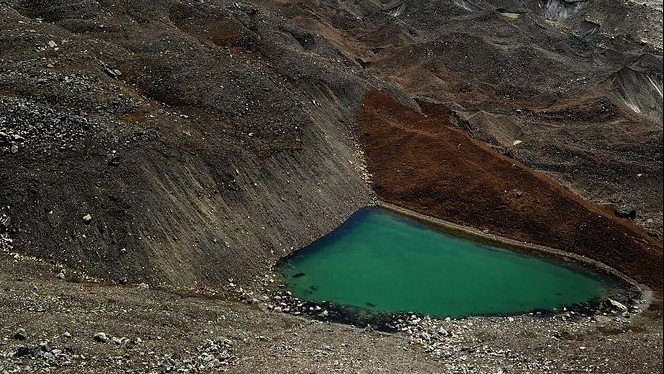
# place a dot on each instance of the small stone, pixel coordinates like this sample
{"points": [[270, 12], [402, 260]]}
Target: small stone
{"points": [[603, 319], [114, 160], [52, 44], [617, 305], [66, 335], [61, 275], [28, 350], [87, 218], [14, 149], [5, 221], [113, 73], [101, 337], [626, 212], [20, 334]]}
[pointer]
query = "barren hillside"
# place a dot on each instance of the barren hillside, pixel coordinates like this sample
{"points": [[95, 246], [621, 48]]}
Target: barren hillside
{"points": [[194, 144]]}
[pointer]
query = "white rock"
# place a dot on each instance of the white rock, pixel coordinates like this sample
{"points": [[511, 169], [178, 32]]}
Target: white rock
{"points": [[618, 305]]}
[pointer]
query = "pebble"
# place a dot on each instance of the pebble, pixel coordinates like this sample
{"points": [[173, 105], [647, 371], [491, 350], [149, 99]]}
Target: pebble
{"points": [[28, 350], [101, 337], [20, 334]]}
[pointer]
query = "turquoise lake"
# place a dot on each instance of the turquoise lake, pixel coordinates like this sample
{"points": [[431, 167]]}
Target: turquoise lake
{"points": [[379, 261]]}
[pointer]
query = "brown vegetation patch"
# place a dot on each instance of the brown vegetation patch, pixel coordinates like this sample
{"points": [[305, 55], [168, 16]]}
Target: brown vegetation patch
{"points": [[420, 162]]}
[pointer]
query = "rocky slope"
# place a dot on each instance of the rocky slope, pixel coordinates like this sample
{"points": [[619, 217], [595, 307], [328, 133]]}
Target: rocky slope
{"points": [[198, 156], [191, 145], [573, 89]]}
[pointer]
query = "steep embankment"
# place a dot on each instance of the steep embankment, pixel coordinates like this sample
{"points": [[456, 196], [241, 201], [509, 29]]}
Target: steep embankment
{"points": [[421, 162], [205, 141]]}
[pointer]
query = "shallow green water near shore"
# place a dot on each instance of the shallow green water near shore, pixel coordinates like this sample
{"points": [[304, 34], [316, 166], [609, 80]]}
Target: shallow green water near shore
{"points": [[382, 262]]}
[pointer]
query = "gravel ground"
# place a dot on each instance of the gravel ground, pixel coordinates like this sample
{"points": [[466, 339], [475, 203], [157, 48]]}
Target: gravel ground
{"points": [[73, 325]]}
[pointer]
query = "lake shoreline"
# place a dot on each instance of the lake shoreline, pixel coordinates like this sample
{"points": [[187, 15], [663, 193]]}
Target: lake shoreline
{"points": [[645, 293], [636, 296]]}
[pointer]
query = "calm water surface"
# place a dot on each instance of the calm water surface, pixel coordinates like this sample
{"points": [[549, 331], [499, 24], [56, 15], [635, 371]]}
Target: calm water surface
{"points": [[382, 262]]}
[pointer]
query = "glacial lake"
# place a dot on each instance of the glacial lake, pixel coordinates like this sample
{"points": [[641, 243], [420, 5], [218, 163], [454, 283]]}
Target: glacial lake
{"points": [[382, 262]]}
